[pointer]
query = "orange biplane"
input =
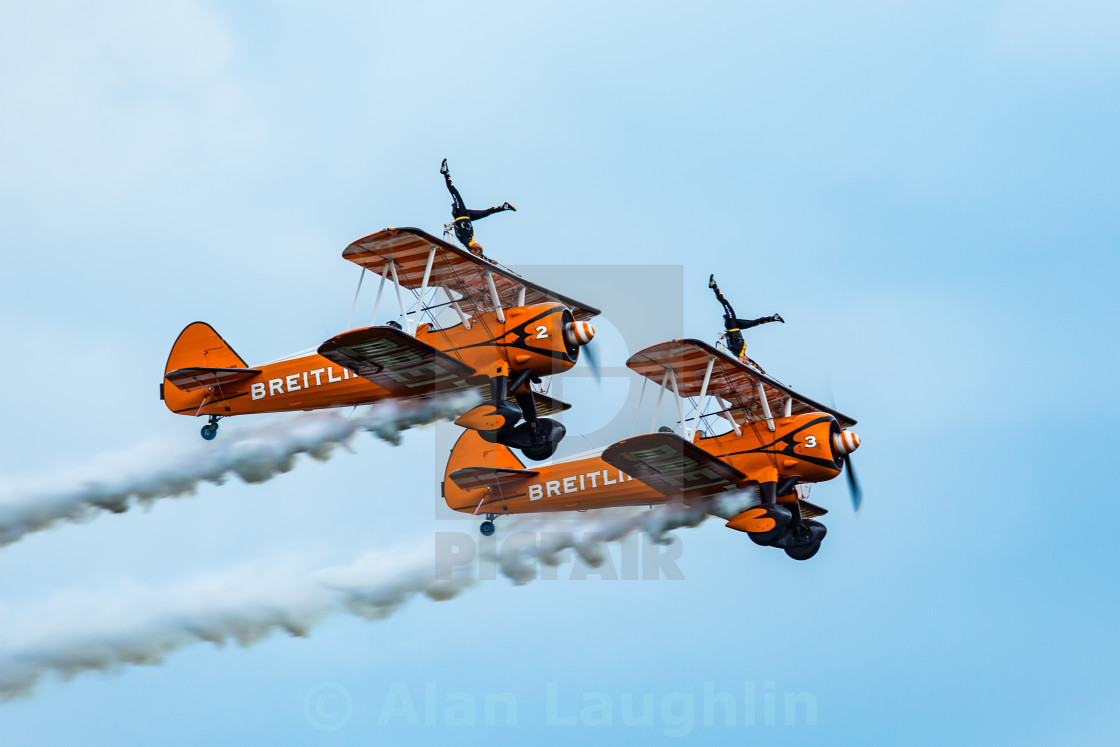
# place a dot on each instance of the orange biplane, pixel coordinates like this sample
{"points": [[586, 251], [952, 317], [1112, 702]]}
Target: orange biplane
{"points": [[777, 443], [504, 335]]}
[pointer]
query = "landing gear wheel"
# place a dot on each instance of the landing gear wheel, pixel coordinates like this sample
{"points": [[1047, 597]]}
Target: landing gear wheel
{"points": [[781, 517], [211, 428], [801, 542], [487, 528], [537, 440], [542, 452], [804, 552]]}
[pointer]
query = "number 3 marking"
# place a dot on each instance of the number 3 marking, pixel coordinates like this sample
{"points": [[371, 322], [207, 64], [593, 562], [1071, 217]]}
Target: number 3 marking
{"points": [[810, 442], [542, 332]]}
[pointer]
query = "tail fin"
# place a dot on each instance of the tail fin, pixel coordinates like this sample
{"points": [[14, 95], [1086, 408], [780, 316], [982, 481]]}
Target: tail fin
{"points": [[198, 345], [473, 454]]}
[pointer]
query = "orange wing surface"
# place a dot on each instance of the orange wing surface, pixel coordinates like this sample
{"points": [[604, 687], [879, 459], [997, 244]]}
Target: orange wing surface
{"points": [[396, 362], [686, 362], [416, 260], [672, 466]]}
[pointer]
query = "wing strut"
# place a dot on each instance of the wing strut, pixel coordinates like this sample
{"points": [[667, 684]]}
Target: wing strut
{"points": [[638, 409], [730, 416], [660, 394], [380, 290], [494, 297], [458, 309], [400, 299], [423, 288], [765, 405], [703, 393], [680, 402], [350, 319]]}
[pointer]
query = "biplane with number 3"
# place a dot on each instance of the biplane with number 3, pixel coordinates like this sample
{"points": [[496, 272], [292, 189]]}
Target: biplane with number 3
{"points": [[776, 444], [470, 324]]}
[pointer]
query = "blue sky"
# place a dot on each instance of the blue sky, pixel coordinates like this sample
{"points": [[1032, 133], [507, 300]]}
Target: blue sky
{"points": [[925, 191]]}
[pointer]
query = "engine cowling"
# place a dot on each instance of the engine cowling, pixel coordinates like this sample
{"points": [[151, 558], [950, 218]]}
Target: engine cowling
{"points": [[544, 338]]}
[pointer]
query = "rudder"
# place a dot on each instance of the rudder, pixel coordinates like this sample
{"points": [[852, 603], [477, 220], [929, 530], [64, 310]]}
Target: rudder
{"points": [[197, 345], [471, 451]]}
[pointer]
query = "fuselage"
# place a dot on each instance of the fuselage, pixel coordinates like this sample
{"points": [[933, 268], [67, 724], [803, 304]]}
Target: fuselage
{"points": [[308, 382], [800, 446], [529, 338]]}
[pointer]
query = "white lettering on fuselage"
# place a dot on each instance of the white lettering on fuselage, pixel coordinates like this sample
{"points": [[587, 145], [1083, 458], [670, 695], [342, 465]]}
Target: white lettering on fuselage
{"points": [[552, 488], [292, 383]]}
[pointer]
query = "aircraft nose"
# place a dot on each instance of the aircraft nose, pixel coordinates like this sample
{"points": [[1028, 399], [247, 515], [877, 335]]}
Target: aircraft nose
{"points": [[845, 442], [578, 333]]}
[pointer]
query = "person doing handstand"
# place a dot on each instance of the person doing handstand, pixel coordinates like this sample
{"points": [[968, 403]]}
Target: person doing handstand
{"points": [[464, 228], [734, 326]]}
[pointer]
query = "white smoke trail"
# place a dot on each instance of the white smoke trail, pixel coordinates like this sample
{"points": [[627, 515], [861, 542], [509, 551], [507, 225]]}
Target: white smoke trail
{"points": [[588, 538], [147, 473], [79, 632]]}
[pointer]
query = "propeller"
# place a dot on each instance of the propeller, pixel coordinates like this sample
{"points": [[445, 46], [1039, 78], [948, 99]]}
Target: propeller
{"points": [[581, 334], [593, 361], [844, 443], [853, 485]]}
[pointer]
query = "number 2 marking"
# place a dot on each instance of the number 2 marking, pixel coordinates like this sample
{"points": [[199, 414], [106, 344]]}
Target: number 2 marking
{"points": [[810, 442], [542, 332]]}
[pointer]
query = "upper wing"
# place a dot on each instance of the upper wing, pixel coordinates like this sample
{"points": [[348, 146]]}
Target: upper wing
{"points": [[464, 275], [735, 382], [200, 377], [671, 465], [397, 362]]}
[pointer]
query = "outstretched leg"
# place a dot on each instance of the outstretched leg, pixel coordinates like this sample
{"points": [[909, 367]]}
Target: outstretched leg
{"points": [[728, 312], [748, 323], [458, 207], [476, 214]]}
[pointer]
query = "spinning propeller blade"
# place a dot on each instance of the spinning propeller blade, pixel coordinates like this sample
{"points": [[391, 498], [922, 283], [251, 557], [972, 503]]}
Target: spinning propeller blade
{"points": [[843, 444], [591, 351], [581, 334], [853, 485]]}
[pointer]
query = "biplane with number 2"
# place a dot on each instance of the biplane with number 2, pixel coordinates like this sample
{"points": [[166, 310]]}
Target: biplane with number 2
{"points": [[776, 444], [470, 324]]}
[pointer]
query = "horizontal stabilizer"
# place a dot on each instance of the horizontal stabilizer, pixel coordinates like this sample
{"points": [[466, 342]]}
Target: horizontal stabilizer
{"points": [[396, 362], [201, 377], [671, 465], [473, 478]]}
